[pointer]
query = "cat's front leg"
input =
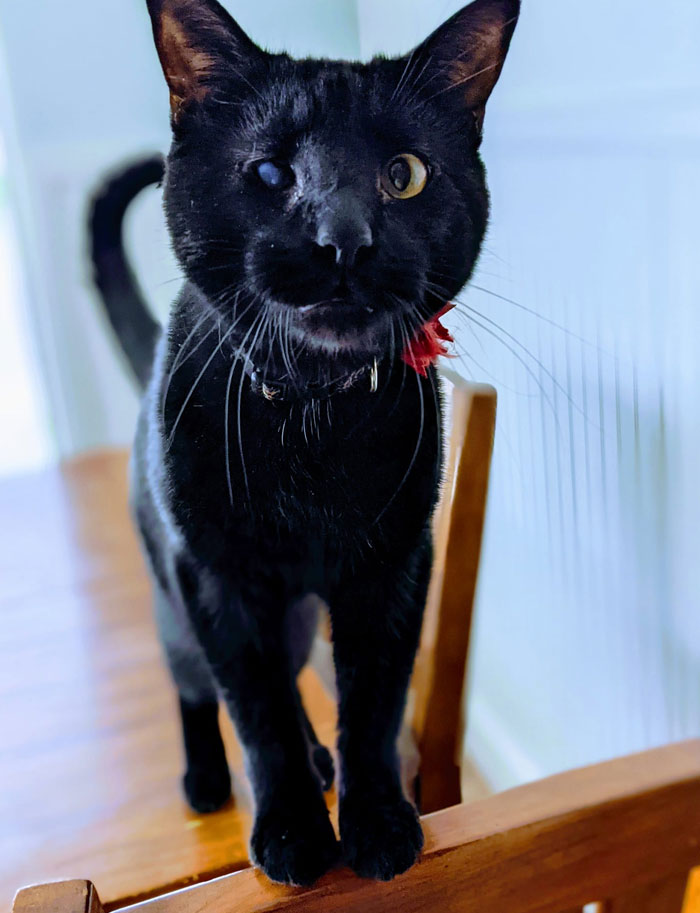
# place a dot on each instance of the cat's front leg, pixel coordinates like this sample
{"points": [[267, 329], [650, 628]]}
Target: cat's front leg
{"points": [[376, 616], [242, 634]]}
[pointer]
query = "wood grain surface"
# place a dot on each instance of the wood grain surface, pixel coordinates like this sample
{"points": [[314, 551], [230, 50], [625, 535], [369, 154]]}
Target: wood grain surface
{"points": [[628, 828], [439, 677], [90, 756], [77, 896], [90, 759], [664, 896]]}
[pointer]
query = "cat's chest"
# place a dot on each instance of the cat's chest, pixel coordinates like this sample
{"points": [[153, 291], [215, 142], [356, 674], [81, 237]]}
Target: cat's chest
{"points": [[332, 470]]}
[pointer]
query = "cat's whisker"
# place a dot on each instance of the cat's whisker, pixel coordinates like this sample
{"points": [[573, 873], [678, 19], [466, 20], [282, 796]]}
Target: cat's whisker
{"points": [[227, 443], [284, 344], [409, 63], [260, 319], [181, 358], [217, 348], [444, 71], [460, 302], [392, 343], [525, 365], [227, 453], [527, 351], [414, 457], [406, 336], [413, 85], [462, 353], [461, 82], [437, 409], [531, 311], [165, 282], [268, 328]]}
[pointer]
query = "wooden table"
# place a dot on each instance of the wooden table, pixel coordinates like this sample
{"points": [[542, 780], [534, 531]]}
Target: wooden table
{"points": [[90, 757]]}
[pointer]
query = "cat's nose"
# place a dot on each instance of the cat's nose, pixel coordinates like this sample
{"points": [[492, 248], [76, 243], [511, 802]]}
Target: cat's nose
{"points": [[343, 230]]}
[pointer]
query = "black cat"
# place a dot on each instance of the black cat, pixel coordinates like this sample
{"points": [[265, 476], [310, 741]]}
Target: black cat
{"points": [[323, 212]]}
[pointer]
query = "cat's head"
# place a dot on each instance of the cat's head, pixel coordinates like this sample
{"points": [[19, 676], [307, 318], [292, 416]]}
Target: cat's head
{"points": [[338, 205]]}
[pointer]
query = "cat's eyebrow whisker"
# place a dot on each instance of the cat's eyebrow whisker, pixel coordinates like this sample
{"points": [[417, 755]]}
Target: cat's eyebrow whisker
{"points": [[240, 76], [444, 71], [461, 82], [413, 84], [403, 75]]}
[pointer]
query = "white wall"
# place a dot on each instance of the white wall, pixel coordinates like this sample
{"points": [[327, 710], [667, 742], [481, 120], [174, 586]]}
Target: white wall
{"points": [[588, 621], [83, 92]]}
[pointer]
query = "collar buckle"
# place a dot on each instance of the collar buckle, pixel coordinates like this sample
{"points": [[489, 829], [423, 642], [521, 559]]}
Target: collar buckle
{"points": [[374, 377]]}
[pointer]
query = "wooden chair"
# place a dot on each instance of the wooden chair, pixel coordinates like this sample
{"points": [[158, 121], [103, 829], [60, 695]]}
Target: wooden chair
{"points": [[105, 724], [622, 835]]}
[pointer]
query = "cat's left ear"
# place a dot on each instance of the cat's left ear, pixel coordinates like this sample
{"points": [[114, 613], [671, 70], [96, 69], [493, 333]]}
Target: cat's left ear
{"points": [[463, 58], [199, 45]]}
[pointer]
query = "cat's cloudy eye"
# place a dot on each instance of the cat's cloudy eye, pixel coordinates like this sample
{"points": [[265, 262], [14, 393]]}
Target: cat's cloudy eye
{"points": [[404, 176], [275, 175]]}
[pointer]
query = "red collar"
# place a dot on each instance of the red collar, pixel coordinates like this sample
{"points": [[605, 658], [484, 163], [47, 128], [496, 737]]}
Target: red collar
{"points": [[428, 344]]}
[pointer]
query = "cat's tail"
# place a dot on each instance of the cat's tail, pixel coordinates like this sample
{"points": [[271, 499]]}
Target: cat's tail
{"points": [[126, 307]]}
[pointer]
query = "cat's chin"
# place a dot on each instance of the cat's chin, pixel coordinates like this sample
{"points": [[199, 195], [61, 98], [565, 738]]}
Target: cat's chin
{"points": [[340, 328], [356, 331]]}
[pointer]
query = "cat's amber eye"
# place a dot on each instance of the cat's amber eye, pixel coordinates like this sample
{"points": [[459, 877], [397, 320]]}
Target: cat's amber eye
{"points": [[404, 176], [275, 175]]}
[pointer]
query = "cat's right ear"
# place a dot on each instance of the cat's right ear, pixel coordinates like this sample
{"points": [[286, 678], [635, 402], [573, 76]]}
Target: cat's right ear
{"points": [[461, 61], [200, 45]]}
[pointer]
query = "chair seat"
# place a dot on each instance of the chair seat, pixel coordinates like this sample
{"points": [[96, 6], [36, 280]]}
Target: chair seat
{"points": [[90, 755]]}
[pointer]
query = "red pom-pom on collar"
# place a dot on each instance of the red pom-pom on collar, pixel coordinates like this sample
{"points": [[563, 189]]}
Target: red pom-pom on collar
{"points": [[428, 344]]}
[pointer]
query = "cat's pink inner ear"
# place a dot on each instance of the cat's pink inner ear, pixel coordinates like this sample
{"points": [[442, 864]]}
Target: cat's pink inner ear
{"points": [[466, 54], [185, 65], [475, 71]]}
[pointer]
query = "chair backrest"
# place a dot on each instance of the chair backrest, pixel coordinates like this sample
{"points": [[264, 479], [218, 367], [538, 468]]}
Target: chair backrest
{"points": [[434, 713], [623, 835], [439, 676]]}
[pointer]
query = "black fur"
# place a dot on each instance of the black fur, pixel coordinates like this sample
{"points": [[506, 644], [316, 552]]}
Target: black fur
{"points": [[136, 330], [266, 473]]}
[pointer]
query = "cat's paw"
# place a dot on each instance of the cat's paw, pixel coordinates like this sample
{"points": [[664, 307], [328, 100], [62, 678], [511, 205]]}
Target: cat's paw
{"points": [[207, 789], [323, 762], [294, 845], [380, 838]]}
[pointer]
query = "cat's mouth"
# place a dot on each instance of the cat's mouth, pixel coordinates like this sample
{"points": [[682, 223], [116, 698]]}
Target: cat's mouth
{"points": [[330, 305], [341, 323]]}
